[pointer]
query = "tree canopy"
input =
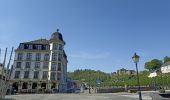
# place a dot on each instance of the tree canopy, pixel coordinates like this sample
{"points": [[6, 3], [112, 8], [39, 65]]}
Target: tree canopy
{"points": [[153, 65], [166, 59]]}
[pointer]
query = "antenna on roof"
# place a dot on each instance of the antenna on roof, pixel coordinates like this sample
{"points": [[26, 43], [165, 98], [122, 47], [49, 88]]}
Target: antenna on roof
{"points": [[57, 30]]}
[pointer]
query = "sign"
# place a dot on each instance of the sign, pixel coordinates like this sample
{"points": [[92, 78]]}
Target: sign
{"points": [[98, 81], [165, 69]]}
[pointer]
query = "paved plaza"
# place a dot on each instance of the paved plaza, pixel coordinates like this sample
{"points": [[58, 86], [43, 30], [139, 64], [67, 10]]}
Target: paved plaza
{"points": [[110, 96]]}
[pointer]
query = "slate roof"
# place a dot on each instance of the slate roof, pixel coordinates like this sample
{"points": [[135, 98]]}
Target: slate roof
{"points": [[39, 41], [56, 35], [166, 64]]}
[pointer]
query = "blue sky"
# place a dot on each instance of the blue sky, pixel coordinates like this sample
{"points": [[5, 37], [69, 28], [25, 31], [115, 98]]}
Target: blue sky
{"points": [[99, 34]]}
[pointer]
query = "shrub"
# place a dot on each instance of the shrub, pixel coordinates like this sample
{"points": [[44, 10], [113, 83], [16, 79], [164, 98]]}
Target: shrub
{"points": [[132, 90]]}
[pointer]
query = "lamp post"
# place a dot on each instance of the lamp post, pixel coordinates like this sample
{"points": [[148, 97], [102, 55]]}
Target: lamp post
{"points": [[136, 60], [89, 83]]}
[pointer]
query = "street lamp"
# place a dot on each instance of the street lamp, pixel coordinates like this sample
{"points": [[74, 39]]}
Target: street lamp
{"points": [[89, 83], [136, 60]]}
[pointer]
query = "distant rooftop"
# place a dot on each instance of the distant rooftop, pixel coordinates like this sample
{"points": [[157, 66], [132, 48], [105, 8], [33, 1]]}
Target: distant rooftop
{"points": [[166, 64], [39, 41], [54, 37]]}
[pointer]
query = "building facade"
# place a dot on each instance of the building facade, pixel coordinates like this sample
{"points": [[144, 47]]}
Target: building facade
{"points": [[165, 68], [40, 65], [126, 72]]}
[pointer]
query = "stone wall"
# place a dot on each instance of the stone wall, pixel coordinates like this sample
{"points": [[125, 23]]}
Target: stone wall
{"points": [[3, 89]]}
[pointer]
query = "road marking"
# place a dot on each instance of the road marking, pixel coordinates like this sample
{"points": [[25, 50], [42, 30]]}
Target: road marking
{"points": [[106, 97], [136, 96]]}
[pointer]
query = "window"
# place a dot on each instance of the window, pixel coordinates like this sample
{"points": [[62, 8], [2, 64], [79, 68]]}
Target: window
{"points": [[17, 74], [29, 56], [59, 66], [59, 57], [46, 57], [38, 57], [45, 66], [58, 76], [45, 74], [54, 56], [60, 47], [53, 66], [26, 74], [53, 76], [21, 46], [46, 47], [27, 64], [55, 46], [36, 73], [37, 64], [18, 65], [30, 46], [26, 46], [39, 47], [20, 55], [35, 47]]}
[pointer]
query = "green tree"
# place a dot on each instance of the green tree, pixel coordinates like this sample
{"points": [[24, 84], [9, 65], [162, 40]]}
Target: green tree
{"points": [[148, 66], [153, 65], [166, 59]]}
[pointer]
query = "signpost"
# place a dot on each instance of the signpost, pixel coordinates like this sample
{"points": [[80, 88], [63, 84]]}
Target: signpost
{"points": [[98, 82]]}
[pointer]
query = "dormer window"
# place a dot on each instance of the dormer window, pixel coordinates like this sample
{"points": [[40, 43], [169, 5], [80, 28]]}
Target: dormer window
{"points": [[39, 47], [30, 46], [21, 46], [55, 46]]}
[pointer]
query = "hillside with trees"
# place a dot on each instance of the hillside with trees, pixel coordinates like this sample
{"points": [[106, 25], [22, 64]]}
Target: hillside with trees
{"points": [[113, 80]]}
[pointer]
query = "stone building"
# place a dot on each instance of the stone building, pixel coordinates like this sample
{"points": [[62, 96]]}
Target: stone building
{"points": [[125, 71], [40, 65]]}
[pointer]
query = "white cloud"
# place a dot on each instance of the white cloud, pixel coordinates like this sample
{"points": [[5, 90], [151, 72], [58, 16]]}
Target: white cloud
{"points": [[86, 55]]}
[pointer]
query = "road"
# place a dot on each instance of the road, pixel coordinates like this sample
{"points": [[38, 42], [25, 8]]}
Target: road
{"points": [[116, 96]]}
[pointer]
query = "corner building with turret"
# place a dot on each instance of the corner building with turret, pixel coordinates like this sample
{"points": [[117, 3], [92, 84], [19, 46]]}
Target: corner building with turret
{"points": [[40, 66]]}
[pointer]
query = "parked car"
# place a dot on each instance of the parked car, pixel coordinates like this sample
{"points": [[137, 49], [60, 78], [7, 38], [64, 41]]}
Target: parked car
{"points": [[77, 90]]}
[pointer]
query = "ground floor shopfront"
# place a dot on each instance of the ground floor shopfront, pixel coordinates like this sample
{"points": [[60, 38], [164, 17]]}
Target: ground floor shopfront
{"points": [[35, 86]]}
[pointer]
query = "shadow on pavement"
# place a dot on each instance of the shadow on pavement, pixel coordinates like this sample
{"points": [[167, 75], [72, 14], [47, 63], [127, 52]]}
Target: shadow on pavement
{"points": [[8, 99]]}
